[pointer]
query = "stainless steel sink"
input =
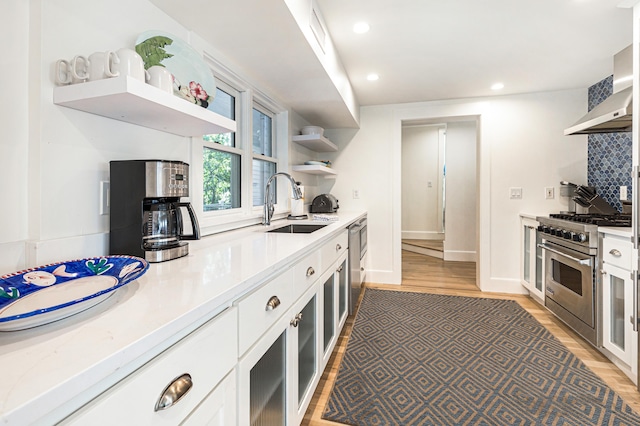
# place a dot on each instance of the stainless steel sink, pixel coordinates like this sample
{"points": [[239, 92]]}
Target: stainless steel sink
{"points": [[297, 229]]}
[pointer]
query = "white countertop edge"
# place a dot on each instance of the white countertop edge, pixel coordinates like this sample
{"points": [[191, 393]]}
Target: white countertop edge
{"points": [[60, 400]]}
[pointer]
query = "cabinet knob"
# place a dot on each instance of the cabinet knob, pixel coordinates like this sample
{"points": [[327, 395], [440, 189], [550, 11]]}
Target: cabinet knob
{"points": [[172, 393], [310, 271], [340, 269], [273, 303], [615, 252], [338, 247], [296, 320]]}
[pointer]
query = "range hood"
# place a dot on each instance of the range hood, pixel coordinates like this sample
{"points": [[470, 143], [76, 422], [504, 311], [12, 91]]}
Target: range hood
{"points": [[614, 113]]}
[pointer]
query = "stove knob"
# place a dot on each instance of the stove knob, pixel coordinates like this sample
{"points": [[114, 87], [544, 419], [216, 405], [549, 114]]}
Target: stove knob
{"points": [[551, 230], [541, 228], [581, 238], [567, 234]]}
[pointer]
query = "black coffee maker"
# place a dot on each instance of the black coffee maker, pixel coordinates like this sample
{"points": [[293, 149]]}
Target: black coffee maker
{"points": [[145, 213]]}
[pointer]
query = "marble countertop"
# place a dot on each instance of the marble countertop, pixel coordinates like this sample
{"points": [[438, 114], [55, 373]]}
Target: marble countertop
{"points": [[54, 367]]}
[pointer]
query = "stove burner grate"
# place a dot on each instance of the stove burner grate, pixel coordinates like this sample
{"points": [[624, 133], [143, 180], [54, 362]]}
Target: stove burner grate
{"points": [[622, 220]]}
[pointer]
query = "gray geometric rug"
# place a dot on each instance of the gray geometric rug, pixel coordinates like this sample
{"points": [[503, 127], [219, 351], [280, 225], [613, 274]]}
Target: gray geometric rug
{"points": [[427, 359]]}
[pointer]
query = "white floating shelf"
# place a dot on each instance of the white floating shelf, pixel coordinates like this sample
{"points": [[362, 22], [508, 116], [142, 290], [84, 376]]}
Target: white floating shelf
{"points": [[314, 170], [130, 100], [316, 143]]}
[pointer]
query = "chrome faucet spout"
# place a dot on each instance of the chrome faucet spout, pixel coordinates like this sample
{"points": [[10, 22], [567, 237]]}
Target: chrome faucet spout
{"points": [[268, 199]]}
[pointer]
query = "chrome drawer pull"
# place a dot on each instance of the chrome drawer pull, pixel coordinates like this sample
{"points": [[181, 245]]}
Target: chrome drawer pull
{"points": [[172, 393], [273, 303], [615, 252], [338, 247], [310, 271]]}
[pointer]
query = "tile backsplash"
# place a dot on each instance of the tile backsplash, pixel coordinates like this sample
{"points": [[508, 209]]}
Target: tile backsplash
{"points": [[609, 160]]}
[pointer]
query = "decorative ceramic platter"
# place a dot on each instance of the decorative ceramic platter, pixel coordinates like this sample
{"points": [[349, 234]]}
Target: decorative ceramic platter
{"points": [[192, 77], [48, 293]]}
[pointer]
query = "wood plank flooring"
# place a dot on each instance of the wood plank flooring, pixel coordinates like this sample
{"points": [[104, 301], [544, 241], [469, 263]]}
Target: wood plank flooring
{"points": [[429, 275]]}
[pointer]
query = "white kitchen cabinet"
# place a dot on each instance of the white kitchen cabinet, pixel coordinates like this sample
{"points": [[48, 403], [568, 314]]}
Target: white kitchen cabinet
{"points": [[280, 369], [278, 375], [619, 340], [187, 373], [531, 259], [127, 99], [218, 408]]}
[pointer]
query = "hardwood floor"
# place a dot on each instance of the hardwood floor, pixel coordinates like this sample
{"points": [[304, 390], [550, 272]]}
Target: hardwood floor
{"points": [[429, 275]]}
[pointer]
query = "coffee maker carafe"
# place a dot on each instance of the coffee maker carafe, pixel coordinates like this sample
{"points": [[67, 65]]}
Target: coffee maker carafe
{"points": [[146, 211]]}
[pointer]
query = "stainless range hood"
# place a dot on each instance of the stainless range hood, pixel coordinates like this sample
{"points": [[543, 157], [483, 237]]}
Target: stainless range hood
{"points": [[614, 113]]}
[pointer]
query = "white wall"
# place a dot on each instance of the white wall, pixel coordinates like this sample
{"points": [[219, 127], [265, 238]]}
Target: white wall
{"points": [[422, 194], [521, 144], [55, 157], [461, 217]]}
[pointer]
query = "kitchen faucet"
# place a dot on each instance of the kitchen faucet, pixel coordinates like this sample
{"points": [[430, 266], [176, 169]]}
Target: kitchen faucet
{"points": [[268, 200]]}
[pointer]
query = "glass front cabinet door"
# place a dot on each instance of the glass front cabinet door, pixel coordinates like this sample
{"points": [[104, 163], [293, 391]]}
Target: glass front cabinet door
{"points": [[531, 261]]}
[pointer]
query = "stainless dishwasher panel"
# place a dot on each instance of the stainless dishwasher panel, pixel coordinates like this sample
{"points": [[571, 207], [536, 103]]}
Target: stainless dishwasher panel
{"points": [[357, 253]]}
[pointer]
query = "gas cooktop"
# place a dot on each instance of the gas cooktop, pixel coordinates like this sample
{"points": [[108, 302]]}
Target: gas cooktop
{"points": [[622, 220]]}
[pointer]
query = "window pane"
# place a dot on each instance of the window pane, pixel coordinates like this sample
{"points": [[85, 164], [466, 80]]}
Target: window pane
{"points": [[262, 135], [225, 105], [262, 171], [221, 180]]}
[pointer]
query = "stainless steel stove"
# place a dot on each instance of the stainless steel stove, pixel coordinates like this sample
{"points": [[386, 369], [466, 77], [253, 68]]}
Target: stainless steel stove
{"points": [[570, 246]]}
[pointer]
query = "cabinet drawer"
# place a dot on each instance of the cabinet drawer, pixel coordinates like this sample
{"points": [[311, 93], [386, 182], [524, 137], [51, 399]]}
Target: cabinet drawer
{"points": [[617, 252], [305, 273], [258, 311], [207, 355], [332, 250]]}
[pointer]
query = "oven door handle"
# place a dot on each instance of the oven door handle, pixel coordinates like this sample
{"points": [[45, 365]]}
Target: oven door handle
{"points": [[575, 259]]}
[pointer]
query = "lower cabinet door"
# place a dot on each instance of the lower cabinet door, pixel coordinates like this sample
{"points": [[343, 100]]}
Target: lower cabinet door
{"points": [[617, 307], [342, 276], [218, 408]]}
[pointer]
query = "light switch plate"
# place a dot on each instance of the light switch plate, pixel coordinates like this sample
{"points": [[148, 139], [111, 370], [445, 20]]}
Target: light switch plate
{"points": [[623, 193], [515, 193], [549, 193]]}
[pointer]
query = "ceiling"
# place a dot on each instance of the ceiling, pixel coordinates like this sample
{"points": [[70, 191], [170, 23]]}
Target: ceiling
{"points": [[422, 50]]}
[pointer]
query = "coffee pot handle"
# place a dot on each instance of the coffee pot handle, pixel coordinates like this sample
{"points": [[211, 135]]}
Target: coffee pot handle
{"points": [[195, 235]]}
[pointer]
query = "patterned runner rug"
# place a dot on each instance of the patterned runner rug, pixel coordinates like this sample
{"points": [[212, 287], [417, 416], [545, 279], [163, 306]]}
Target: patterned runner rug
{"points": [[426, 359]]}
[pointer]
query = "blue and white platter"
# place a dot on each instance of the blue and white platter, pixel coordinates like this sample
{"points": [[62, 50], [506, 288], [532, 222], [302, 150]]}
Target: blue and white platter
{"points": [[51, 292]]}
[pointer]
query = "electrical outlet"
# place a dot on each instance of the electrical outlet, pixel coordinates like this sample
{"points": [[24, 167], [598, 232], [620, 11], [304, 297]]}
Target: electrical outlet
{"points": [[549, 193], [105, 195], [623, 193], [356, 194], [515, 193]]}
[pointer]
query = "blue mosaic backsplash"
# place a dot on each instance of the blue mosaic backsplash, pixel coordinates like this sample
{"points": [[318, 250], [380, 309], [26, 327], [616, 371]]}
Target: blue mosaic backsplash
{"points": [[609, 160]]}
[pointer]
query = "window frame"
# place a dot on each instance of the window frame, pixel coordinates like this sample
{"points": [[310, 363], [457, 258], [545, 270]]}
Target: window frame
{"points": [[246, 98]]}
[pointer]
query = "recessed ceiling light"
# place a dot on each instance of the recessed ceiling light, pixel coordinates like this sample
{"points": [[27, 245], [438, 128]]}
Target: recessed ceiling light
{"points": [[373, 77], [361, 28], [497, 86]]}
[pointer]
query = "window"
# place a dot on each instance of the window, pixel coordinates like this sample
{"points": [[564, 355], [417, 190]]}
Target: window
{"points": [[231, 170], [222, 165], [221, 180], [264, 164]]}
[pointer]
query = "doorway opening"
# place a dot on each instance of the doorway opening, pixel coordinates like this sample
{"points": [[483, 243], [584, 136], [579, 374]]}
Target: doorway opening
{"points": [[439, 213]]}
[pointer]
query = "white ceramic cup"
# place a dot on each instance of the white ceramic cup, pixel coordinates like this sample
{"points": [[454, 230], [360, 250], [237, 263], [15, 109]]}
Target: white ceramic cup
{"points": [[73, 71], [129, 63], [102, 65], [160, 77]]}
